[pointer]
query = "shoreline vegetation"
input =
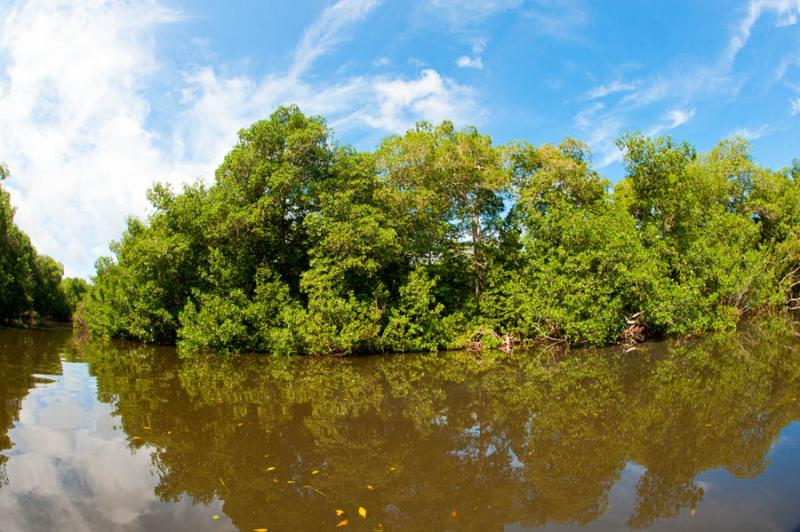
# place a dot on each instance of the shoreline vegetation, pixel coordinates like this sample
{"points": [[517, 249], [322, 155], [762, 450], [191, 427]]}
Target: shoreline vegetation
{"points": [[33, 289], [442, 239]]}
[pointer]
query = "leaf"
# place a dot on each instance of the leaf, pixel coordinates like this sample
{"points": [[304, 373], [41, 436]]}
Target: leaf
{"points": [[290, 481], [339, 513], [369, 487], [315, 472], [215, 517], [343, 522], [453, 514], [362, 512], [260, 530], [271, 468]]}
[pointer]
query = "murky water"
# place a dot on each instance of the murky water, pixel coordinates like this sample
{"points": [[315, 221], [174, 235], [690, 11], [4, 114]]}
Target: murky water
{"points": [[695, 435]]}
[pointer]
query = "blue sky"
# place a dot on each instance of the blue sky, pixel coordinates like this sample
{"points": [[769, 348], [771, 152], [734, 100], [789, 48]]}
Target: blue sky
{"points": [[100, 99]]}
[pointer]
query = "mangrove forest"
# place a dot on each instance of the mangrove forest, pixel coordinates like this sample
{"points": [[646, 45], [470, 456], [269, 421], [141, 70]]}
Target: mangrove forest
{"points": [[441, 238]]}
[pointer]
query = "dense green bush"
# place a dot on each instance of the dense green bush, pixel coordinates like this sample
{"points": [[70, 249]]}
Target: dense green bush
{"points": [[441, 238], [32, 286]]}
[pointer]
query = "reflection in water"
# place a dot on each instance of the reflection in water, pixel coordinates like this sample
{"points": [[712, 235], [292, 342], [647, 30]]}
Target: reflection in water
{"points": [[138, 437]]}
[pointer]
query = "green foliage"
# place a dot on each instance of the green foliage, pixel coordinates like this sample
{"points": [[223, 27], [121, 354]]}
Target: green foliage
{"points": [[30, 284], [442, 238], [417, 322]]}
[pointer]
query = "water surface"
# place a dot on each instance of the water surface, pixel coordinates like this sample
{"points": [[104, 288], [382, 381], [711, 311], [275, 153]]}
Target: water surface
{"points": [[691, 435]]}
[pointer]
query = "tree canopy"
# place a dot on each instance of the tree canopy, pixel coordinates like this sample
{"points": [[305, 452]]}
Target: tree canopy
{"points": [[31, 285], [441, 238]]}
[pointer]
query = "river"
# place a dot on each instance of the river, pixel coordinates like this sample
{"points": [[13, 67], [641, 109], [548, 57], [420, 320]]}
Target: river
{"points": [[681, 435]]}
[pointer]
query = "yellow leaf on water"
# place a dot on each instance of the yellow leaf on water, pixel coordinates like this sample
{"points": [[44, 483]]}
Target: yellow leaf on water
{"points": [[315, 472], [275, 480], [260, 530], [362, 512], [271, 468], [391, 468], [369, 487], [214, 517], [339, 513], [290, 481], [343, 522]]}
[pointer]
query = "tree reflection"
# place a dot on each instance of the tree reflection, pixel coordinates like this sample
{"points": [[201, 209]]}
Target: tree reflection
{"points": [[495, 438]]}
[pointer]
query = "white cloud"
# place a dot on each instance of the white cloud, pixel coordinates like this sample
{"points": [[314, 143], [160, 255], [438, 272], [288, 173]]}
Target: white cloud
{"points": [[466, 61], [678, 117], [399, 103], [72, 120], [795, 106], [75, 116]]}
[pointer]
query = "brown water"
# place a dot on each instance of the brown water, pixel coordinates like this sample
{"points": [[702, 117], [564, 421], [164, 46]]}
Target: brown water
{"points": [[696, 435]]}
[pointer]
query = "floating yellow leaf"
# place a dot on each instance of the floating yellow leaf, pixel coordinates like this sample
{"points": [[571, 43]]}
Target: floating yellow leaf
{"points": [[369, 487], [362, 512], [275, 480], [271, 468], [290, 481], [339, 513], [315, 472], [391, 468], [214, 517], [260, 530], [343, 522]]}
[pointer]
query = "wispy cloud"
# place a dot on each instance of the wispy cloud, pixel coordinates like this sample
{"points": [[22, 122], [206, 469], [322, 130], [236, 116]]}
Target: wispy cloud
{"points": [[460, 13], [795, 106], [751, 134], [678, 89], [326, 31], [561, 19], [786, 13], [601, 91], [678, 117], [466, 61]]}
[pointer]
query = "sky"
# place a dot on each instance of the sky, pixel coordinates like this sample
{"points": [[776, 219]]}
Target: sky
{"points": [[99, 99]]}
